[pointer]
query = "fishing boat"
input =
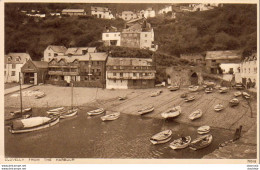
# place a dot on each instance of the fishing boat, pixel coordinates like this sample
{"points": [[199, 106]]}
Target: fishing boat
{"points": [[203, 130], [201, 142], [184, 95], [181, 143], [172, 112], [195, 115], [218, 107], [238, 93], [111, 116], [223, 89], [96, 112], [193, 88], [162, 137], [40, 95], [208, 90], [145, 110], [246, 95], [69, 113], [33, 124], [156, 93], [56, 111], [233, 102], [188, 99], [174, 88]]}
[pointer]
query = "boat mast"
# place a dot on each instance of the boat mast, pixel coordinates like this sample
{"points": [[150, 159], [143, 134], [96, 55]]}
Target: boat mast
{"points": [[71, 93], [21, 92]]}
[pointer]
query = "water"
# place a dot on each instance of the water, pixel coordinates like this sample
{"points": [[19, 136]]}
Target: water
{"points": [[88, 137]]}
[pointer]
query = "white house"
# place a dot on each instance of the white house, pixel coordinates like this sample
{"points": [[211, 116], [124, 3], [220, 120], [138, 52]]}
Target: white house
{"points": [[52, 51], [165, 10], [128, 15], [13, 65], [111, 37], [101, 12], [73, 12], [148, 13]]}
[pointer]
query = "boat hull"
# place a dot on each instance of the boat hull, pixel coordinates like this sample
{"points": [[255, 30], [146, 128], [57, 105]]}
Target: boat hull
{"points": [[142, 112], [93, 112], [73, 113], [174, 145]]}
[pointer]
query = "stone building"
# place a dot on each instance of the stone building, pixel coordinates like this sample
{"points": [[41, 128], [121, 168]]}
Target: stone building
{"points": [[128, 73], [194, 58], [101, 12]]}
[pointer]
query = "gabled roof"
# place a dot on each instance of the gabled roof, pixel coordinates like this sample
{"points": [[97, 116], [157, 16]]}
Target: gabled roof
{"points": [[11, 58], [73, 10], [101, 9], [40, 64], [58, 49], [79, 50], [251, 58], [223, 55], [114, 61]]}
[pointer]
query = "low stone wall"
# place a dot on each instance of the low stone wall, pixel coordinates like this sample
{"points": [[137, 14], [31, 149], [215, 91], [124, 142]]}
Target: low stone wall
{"points": [[89, 84]]}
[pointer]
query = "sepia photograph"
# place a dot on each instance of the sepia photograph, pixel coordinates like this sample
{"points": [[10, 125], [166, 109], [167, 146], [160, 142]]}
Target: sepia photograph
{"points": [[156, 81]]}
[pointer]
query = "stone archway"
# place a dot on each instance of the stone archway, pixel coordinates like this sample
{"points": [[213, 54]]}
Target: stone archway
{"points": [[194, 79]]}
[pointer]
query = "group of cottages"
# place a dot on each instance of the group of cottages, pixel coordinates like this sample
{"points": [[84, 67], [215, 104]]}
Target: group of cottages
{"points": [[129, 15], [137, 34], [200, 7]]}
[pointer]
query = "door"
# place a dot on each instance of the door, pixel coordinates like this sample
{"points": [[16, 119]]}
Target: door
{"points": [[194, 79]]}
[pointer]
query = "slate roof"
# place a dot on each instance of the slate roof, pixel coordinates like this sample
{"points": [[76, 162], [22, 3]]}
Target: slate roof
{"points": [[79, 50], [58, 49], [40, 64], [101, 9], [114, 61], [12, 58]]}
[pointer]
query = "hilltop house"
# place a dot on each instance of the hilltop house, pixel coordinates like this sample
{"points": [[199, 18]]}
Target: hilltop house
{"points": [[148, 13], [128, 15], [127, 73], [165, 10], [73, 12], [13, 63], [215, 58], [111, 36], [101, 12]]}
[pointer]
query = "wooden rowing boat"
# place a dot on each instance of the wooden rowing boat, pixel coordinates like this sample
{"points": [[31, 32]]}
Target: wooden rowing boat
{"points": [[19, 111], [172, 112], [223, 90], [41, 95], [193, 88], [188, 99], [203, 130], [246, 95], [161, 137], [111, 116], [145, 110], [201, 142], [41, 125], [233, 102], [69, 113], [156, 93], [218, 107], [96, 112], [174, 88], [181, 143], [56, 111], [184, 95], [208, 90], [195, 115], [238, 93], [122, 98]]}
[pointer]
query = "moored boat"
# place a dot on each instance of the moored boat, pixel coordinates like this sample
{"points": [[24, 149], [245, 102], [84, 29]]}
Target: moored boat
{"points": [[156, 93], [233, 102], [172, 112], [19, 111], [201, 142], [40, 95], [145, 110], [238, 93], [32, 124], [181, 143], [96, 112], [56, 111], [218, 107], [203, 130], [122, 98], [188, 99], [193, 88], [246, 95], [174, 88], [111, 116], [161, 137], [223, 90], [195, 115], [208, 90], [69, 113], [184, 95]]}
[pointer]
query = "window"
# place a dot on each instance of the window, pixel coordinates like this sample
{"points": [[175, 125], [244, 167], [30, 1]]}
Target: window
{"points": [[49, 54], [255, 70], [114, 74], [248, 70], [10, 58], [145, 35], [13, 66], [107, 35], [134, 74], [245, 70], [5, 65], [13, 73], [5, 72], [115, 35], [114, 81], [213, 61], [18, 58], [121, 74]]}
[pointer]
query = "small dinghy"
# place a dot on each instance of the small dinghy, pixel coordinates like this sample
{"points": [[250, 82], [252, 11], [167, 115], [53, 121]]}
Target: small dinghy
{"points": [[32, 124], [208, 90], [218, 107], [181, 143], [122, 98], [69, 113], [162, 137], [195, 115], [13, 117], [238, 93], [184, 95], [239, 86], [96, 112], [56, 111], [233, 102], [246, 95], [19, 111], [111, 116], [201, 142], [174, 88], [188, 99], [203, 130], [223, 89], [40, 95], [193, 88], [156, 93], [145, 110], [172, 112]]}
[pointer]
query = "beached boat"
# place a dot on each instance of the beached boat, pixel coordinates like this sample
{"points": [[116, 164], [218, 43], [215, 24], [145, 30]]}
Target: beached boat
{"points": [[184, 95], [69, 113], [122, 98], [162, 137], [233, 102], [111, 116], [239, 86], [201, 142], [40, 95], [238, 93], [146, 109], [223, 89], [195, 115], [56, 111], [156, 93], [246, 95], [32, 124], [172, 112], [96, 112], [19, 111], [193, 88], [181, 143], [188, 99], [208, 90], [218, 107], [203, 130], [174, 88]]}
